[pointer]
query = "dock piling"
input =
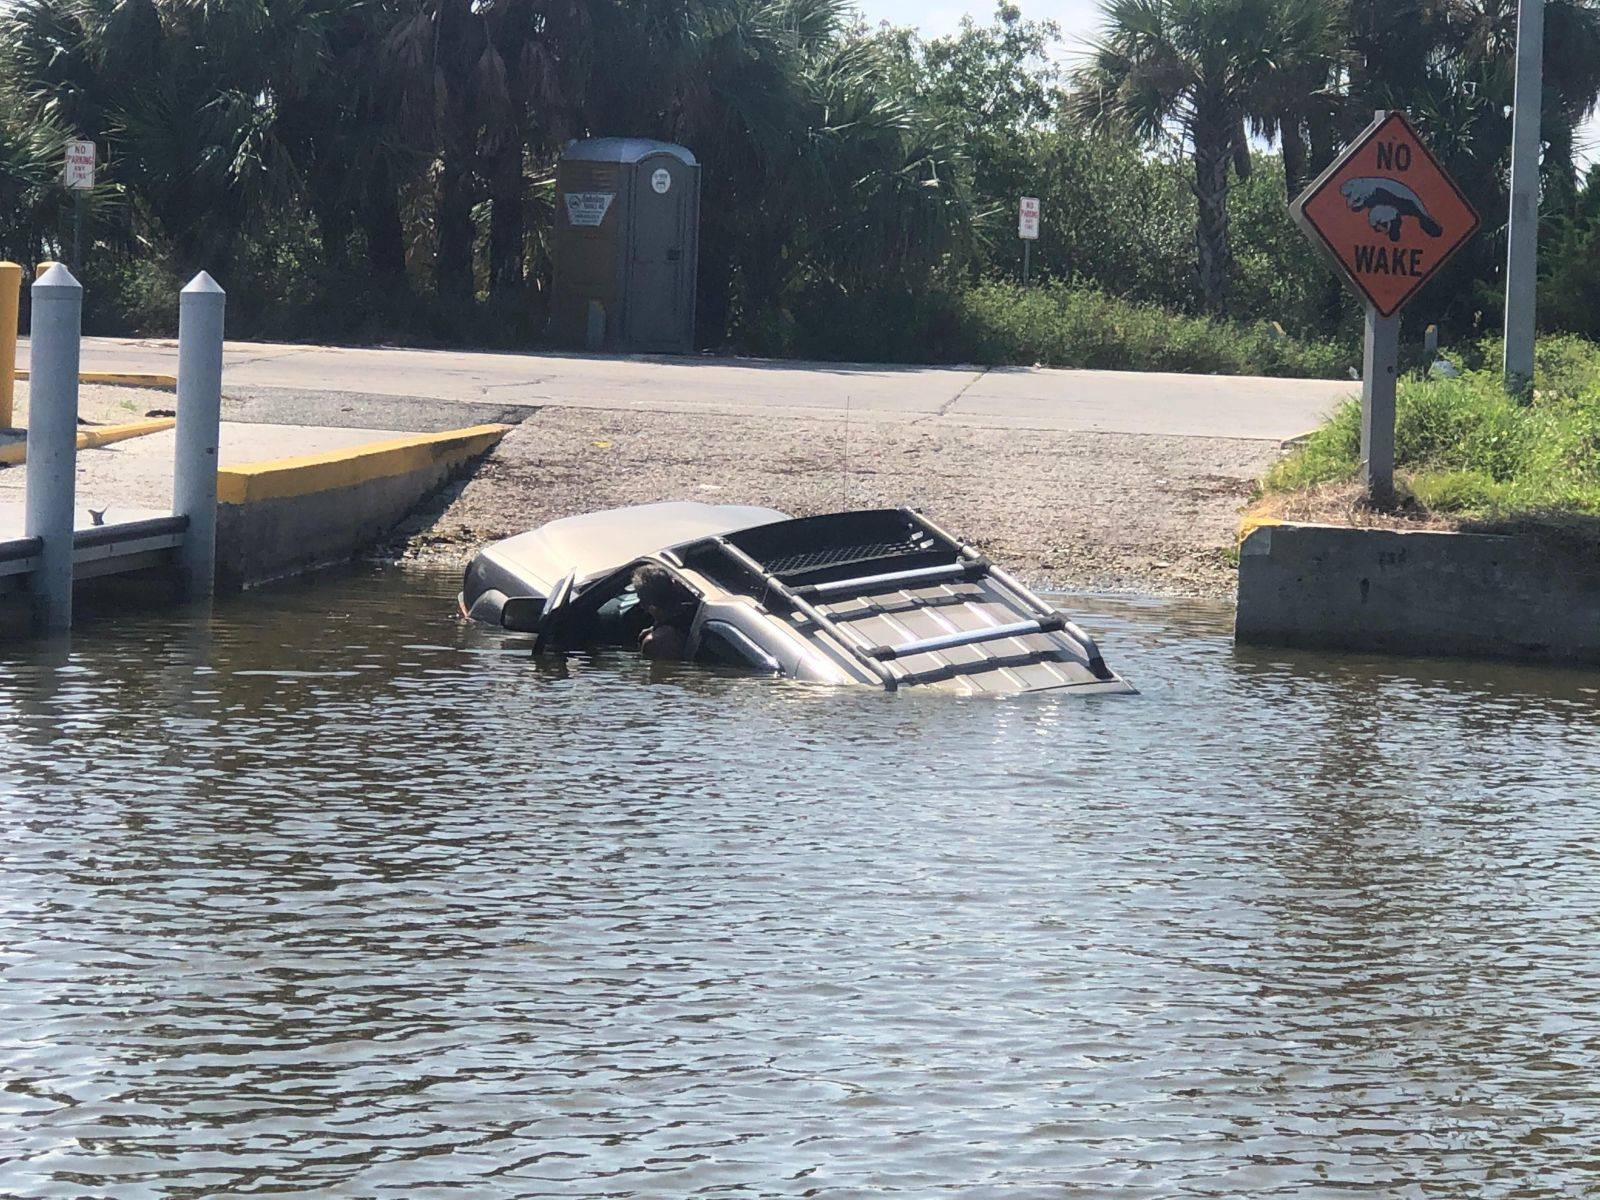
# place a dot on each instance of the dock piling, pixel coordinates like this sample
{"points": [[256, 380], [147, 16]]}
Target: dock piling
{"points": [[194, 480], [53, 442]]}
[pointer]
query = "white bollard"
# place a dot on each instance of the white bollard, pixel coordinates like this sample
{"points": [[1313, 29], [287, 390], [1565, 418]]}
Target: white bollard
{"points": [[194, 478], [53, 441]]}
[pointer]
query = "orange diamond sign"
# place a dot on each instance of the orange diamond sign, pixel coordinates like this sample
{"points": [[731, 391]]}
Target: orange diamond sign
{"points": [[1387, 214]]}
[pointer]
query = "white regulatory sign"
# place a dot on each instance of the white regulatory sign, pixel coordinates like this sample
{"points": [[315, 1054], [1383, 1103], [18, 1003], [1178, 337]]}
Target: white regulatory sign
{"points": [[587, 209], [1028, 218], [661, 181], [79, 171]]}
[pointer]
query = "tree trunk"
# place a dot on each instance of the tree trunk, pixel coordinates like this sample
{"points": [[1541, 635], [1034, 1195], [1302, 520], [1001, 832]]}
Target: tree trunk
{"points": [[453, 220], [1213, 147], [386, 234], [712, 285], [506, 224], [1294, 154], [1323, 126], [453, 212], [333, 225], [1559, 169]]}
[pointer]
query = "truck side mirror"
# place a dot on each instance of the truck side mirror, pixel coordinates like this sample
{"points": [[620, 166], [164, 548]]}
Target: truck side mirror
{"points": [[521, 614]]}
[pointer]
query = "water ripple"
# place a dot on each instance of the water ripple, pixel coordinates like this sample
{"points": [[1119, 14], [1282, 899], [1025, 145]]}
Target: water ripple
{"points": [[332, 896]]}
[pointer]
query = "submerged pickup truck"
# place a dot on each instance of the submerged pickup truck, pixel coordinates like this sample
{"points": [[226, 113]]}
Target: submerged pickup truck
{"points": [[879, 597]]}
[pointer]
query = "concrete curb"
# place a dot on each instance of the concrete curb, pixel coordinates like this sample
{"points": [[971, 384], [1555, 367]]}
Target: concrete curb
{"points": [[166, 383], [282, 478], [290, 515], [1413, 592], [16, 453]]}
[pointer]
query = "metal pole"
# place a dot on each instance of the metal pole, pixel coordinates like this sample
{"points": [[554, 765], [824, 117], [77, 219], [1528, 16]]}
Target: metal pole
{"points": [[1522, 241], [53, 441], [194, 477], [1027, 247], [10, 295], [77, 231], [1380, 354]]}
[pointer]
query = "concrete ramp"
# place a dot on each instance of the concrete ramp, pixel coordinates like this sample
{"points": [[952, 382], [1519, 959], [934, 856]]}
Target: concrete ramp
{"points": [[289, 515]]}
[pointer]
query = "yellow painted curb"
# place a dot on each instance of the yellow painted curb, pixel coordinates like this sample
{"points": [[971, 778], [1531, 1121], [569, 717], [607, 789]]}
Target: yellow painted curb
{"points": [[310, 473], [1250, 524], [88, 439], [123, 379]]}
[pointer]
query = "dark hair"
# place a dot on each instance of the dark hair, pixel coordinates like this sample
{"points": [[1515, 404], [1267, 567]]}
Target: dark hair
{"points": [[656, 587]]}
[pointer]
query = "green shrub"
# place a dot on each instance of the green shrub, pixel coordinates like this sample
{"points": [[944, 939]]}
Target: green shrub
{"points": [[1457, 491], [1471, 449], [1058, 325], [1052, 324], [1330, 454], [1567, 367]]}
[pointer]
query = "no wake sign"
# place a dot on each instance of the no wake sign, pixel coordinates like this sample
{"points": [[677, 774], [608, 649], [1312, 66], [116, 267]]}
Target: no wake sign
{"points": [[1386, 213]]}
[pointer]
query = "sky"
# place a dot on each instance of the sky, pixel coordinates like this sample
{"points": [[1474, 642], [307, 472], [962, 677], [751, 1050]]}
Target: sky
{"points": [[1079, 20]]}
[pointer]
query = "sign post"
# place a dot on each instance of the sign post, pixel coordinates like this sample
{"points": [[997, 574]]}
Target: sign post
{"points": [[1388, 217], [1522, 236], [1027, 230], [78, 176], [1380, 363]]}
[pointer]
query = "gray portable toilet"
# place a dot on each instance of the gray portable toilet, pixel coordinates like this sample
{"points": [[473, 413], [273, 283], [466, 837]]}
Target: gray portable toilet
{"points": [[626, 243]]}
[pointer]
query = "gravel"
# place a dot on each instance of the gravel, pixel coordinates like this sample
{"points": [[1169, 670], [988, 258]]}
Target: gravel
{"points": [[104, 403], [1100, 512]]}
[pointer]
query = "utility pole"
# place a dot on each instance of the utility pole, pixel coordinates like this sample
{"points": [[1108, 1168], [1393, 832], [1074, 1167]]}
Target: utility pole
{"points": [[1522, 241]]}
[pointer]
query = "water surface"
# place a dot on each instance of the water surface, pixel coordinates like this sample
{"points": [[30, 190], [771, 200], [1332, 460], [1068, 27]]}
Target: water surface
{"points": [[332, 896]]}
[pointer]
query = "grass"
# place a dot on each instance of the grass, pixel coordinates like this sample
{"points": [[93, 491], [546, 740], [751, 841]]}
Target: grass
{"points": [[1465, 451], [1051, 324], [1059, 325]]}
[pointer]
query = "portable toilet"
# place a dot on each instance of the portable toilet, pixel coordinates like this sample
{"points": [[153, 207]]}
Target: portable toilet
{"points": [[626, 242]]}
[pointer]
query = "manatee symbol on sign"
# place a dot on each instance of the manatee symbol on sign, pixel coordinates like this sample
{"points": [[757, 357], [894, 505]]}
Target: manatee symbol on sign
{"points": [[1387, 202]]}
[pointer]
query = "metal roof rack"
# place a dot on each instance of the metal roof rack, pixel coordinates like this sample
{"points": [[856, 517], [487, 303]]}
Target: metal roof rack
{"points": [[852, 645], [1026, 596], [776, 554]]}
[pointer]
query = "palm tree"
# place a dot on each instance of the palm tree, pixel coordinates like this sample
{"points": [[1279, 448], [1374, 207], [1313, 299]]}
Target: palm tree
{"points": [[32, 202], [1195, 71]]}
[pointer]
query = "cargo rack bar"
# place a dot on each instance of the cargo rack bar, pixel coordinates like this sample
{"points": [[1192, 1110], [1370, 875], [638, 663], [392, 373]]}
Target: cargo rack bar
{"points": [[1028, 598], [851, 644], [1052, 624], [869, 583]]}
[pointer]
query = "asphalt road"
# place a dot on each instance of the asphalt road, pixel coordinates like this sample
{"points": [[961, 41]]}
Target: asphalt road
{"points": [[1002, 397]]}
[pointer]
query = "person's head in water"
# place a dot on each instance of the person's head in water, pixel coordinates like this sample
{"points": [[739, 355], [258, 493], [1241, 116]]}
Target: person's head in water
{"points": [[671, 609], [662, 596]]}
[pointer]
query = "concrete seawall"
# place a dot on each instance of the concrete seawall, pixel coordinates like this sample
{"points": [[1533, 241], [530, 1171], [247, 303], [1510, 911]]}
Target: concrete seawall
{"points": [[290, 515], [1471, 595]]}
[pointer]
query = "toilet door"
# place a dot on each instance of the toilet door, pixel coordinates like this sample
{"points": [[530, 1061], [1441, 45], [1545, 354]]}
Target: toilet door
{"points": [[655, 317]]}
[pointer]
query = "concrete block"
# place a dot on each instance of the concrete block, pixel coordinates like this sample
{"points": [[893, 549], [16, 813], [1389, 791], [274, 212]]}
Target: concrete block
{"points": [[284, 517], [1423, 593]]}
